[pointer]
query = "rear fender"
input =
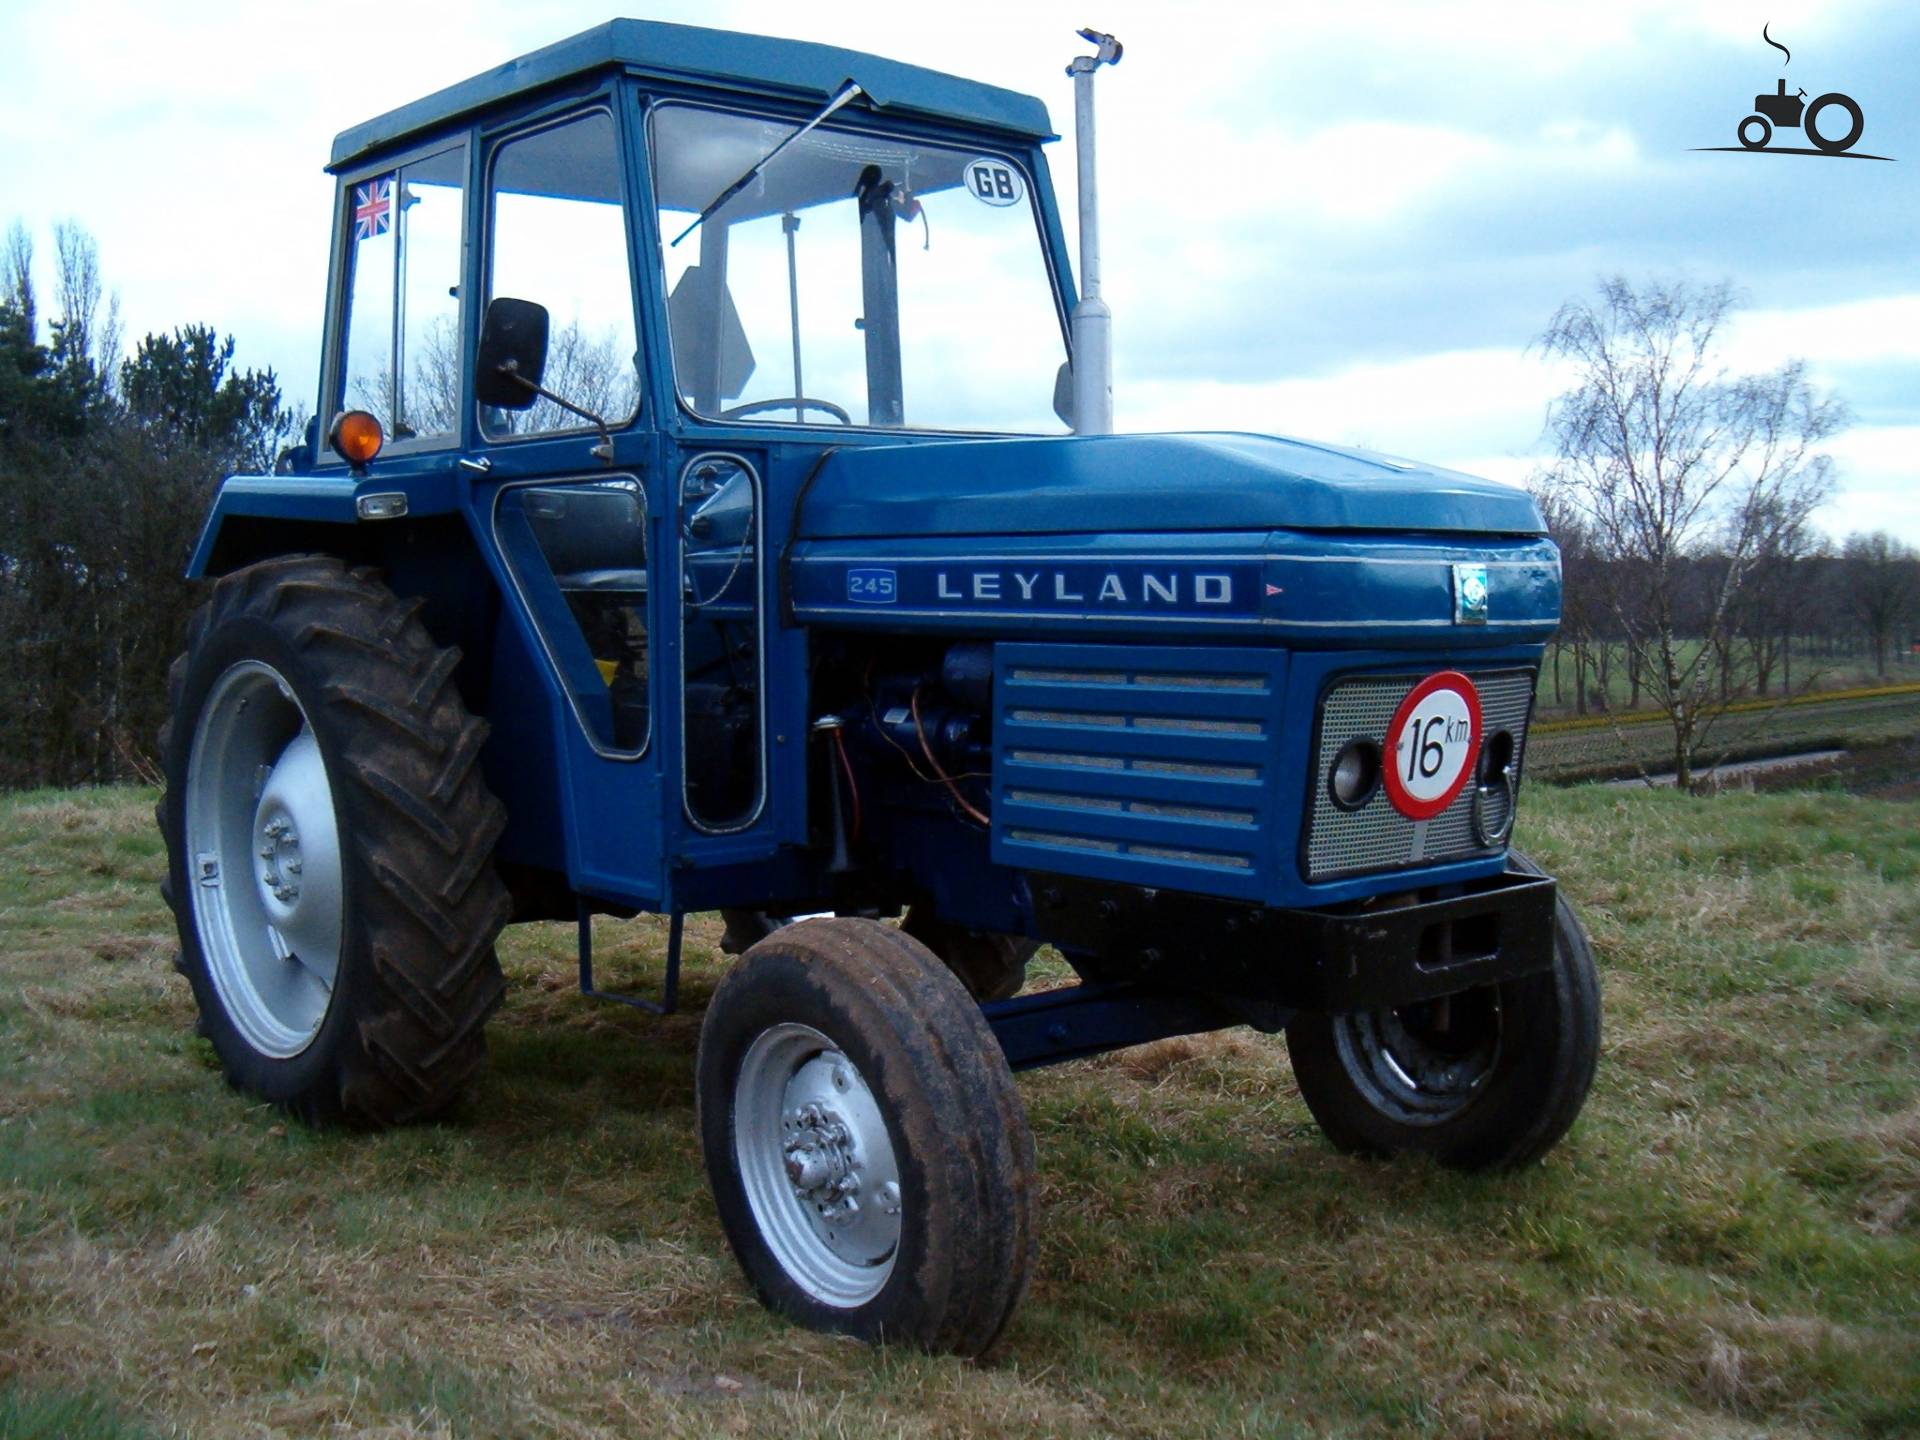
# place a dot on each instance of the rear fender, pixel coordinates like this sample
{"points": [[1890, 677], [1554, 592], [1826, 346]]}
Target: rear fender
{"points": [[257, 516], [433, 557]]}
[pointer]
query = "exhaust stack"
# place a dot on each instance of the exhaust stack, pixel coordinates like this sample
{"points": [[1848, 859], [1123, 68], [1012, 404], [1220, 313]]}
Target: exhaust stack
{"points": [[1092, 321]]}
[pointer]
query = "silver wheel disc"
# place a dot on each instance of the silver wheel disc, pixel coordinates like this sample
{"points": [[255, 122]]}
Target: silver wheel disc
{"points": [[817, 1164], [1423, 1064], [263, 860]]}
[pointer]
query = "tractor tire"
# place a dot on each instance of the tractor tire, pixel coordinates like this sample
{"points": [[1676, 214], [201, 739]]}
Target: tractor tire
{"points": [[1489, 1079], [1837, 144], [869, 1155], [329, 846], [990, 965]]}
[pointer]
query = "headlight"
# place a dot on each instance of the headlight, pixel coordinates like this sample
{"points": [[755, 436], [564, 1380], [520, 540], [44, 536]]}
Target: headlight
{"points": [[1355, 774]]}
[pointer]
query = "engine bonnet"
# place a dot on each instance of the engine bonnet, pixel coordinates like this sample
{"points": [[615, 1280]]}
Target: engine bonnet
{"points": [[1090, 485]]}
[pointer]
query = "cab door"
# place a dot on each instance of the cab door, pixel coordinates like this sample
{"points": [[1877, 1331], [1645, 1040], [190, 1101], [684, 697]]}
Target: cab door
{"points": [[578, 518]]}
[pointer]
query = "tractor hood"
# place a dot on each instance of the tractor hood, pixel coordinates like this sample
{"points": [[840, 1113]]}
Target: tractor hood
{"points": [[1108, 484]]}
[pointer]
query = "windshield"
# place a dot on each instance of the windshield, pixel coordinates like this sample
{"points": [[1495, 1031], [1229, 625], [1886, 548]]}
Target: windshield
{"points": [[857, 279]]}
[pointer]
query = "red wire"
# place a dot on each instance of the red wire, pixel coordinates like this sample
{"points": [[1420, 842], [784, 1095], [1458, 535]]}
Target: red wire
{"points": [[913, 704], [853, 788]]}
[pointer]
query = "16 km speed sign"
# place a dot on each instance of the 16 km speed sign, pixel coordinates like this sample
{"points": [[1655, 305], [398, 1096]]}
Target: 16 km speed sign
{"points": [[1432, 744]]}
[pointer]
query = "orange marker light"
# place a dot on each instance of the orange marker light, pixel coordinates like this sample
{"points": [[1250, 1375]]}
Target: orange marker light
{"points": [[356, 437]]}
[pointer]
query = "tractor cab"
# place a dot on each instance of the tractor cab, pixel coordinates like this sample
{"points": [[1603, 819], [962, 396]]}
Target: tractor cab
{"points": [[711, 261]]}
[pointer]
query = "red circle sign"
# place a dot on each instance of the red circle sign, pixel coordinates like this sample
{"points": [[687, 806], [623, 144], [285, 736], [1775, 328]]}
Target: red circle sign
{"points": [[1432, 744]]}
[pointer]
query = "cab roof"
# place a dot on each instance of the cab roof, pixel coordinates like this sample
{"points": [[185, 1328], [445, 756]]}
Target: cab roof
{"points": [[752, 64]]}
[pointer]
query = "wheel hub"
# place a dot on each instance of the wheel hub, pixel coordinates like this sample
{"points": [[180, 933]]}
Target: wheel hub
{"points": [[818, 1164], [1426, 1063], [280, 850], [820, 1161]]}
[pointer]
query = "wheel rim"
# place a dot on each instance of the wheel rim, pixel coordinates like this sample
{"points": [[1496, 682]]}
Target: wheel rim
{"points": [[818, 1165], [1423, 1064], [263, 860]]}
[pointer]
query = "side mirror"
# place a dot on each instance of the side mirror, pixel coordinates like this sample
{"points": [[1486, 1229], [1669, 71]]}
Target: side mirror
{"points": [[513, 354], [1063, 393]]}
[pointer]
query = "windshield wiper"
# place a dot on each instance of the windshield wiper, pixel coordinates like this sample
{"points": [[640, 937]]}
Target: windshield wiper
{"points": [[847, 92]]}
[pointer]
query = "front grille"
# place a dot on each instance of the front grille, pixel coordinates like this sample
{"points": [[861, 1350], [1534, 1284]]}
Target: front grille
{"points": [[1377, 836], [1148, 765]]}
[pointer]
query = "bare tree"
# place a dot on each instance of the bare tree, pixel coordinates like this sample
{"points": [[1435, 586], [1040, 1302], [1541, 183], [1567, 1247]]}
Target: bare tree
{"points": [[1773, 601], [1668, 458], [1882, 576], [1578, 587], [19, 276]]}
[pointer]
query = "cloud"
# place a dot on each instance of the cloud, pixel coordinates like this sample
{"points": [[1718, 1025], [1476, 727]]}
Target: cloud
{"points": [[1880, 482], [1482, 410]]}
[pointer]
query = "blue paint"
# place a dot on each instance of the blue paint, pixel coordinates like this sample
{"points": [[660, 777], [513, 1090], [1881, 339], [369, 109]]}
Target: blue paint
{"points": [[1078, 485]]}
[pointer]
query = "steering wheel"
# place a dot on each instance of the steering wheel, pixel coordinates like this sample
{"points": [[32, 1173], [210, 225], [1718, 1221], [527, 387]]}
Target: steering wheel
{"points": [[792, 402]]}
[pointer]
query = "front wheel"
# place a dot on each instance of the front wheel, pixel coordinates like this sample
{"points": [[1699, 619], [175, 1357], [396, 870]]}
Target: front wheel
{"points": [[1484, 1080], [868, 1152]]}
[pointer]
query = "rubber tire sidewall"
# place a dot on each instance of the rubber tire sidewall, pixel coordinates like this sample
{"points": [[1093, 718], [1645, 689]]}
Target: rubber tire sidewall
{"points": [[1549, 1046], [313, 1074]]}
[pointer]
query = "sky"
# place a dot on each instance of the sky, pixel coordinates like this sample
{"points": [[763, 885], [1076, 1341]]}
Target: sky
{"points": [[1343, 222]]}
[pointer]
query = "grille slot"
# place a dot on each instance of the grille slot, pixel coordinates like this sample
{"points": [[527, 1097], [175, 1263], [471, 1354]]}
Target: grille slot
{"points": [[1138, 763], [1377, 836]]}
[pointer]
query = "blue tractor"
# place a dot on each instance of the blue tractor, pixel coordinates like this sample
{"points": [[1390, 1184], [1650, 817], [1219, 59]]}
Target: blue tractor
{"points": [[696, 519]]}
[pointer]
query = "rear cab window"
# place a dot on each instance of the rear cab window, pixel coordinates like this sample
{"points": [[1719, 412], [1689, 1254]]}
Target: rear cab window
{"points": [[403, 242]]}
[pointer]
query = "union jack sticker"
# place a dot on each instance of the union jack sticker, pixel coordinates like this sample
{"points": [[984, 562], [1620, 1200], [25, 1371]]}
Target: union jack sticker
{"points": [[373, 208]]}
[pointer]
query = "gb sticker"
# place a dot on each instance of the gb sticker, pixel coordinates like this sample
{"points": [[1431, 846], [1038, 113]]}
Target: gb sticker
{"points": [[995, 182]]}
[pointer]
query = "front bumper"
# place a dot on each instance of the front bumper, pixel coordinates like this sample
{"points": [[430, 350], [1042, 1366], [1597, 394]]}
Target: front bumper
{"points": [[1371, 954]]}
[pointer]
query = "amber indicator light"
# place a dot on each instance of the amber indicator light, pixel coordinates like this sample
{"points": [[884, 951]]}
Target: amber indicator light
{"points": [[356, 437]]}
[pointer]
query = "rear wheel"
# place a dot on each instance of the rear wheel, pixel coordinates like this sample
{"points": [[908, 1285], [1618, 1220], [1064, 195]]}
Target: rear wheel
{"points": [[868, 1152], [1835, 144], [992, 966], [329, 846], [1487, 1079]]}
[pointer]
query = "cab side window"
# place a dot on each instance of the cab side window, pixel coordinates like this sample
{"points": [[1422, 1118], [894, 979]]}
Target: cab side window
{"points": [[557, 236], [401, 351]]}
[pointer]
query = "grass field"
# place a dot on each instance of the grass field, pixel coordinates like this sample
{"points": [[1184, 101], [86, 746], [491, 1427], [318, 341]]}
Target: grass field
{"points": [[1728, 1244]]}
